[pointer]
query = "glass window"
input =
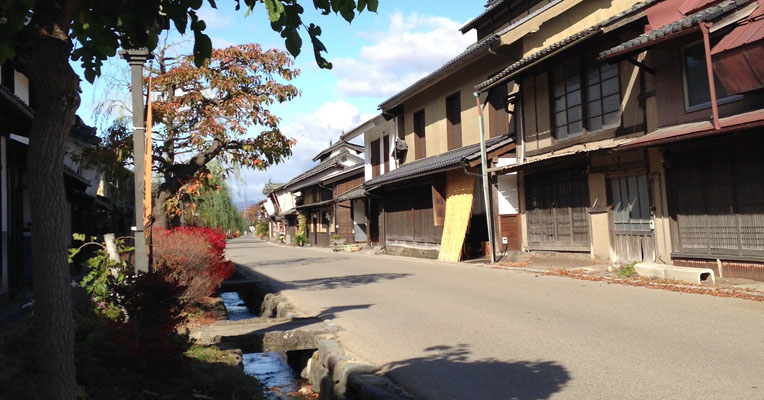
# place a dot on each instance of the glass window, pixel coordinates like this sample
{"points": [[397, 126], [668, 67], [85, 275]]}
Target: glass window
{"points": [[604, 97], [566, 89], [597, 111], [697, 93]]}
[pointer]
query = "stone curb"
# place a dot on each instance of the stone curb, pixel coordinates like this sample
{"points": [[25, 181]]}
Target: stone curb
{"points": [[337, 374]]}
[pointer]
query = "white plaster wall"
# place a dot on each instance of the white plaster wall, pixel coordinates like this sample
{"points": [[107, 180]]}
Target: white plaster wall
{"points": [[377, 133], [21, 86]]}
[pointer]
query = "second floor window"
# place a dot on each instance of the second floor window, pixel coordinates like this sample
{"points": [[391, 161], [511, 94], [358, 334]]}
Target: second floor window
{"points": [[454, 121], [588, 102], [566, 100], [420, 150], [695, 74], [375, 159], [603, 97]]}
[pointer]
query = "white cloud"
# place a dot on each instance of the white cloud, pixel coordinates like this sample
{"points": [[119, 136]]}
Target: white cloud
{"points": [[313, 133], [411, 47], [214, 19], [219, 42]]}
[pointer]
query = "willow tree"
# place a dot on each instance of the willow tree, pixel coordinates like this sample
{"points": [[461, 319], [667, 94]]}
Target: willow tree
{"points": [[39, 36], [213, 206]]}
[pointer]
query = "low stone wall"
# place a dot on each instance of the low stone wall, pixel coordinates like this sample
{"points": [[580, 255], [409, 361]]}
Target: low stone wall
{"points": [[339, 375], [412, 252]]}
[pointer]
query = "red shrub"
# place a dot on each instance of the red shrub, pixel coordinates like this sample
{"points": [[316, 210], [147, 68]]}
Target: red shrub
{"points": [[193, 257]]}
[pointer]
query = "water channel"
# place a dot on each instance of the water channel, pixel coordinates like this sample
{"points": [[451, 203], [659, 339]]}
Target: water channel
{"points": [[270, 368]]}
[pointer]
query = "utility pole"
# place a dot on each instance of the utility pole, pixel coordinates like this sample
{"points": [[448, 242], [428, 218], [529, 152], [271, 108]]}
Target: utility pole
{"points": [[486, 188], [137, 58]]}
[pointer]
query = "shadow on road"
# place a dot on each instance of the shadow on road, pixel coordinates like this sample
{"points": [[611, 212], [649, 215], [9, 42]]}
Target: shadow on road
{"points": [[331, 312], [342, 282], [449, 373], [295, 262], [328, 283]]}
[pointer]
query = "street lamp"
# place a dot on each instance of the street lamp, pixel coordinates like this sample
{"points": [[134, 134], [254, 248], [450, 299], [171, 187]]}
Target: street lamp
{"points": [[137, 58]]}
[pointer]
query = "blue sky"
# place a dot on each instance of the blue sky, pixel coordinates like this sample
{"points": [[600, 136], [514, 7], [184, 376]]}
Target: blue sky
{"points": [[376, 56]]}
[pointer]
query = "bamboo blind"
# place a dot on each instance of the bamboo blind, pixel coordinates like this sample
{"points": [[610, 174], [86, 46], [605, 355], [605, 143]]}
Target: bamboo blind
{"points": [[459, 192]]}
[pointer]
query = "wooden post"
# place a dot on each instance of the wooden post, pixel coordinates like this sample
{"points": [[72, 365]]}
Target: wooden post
{"points": [[136, 58]]}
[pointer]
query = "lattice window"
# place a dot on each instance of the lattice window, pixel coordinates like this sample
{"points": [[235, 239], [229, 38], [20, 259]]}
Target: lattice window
{"points": [[718, 200], [556, 209], [566, 100]]}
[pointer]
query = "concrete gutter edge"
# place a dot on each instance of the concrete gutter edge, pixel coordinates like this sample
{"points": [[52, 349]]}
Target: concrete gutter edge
{"points": [[339, 374]]}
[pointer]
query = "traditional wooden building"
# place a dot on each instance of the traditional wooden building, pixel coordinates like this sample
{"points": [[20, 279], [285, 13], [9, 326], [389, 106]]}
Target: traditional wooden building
{"points": [[630, 148], [703, 67], [16, 116], [349, 204], [314, 199]]}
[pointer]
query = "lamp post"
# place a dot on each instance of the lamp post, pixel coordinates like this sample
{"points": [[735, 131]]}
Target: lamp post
{"points": [[137, 58]]}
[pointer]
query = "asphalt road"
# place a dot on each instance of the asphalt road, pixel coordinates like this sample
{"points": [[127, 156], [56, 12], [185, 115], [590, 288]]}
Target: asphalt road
{"points": [[455, 331]]}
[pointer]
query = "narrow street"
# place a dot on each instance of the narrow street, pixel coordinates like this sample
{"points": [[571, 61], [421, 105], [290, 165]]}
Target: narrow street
{"points": [[454, 331]]}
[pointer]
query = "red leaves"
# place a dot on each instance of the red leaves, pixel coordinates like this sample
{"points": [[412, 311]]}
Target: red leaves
{"points": [[194, 257]]}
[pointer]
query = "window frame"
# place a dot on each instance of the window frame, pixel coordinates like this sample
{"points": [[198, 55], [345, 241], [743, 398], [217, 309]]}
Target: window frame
{"points": [[583, 68], [686, 88], [553, 99], [454, 129], [420, 141]]}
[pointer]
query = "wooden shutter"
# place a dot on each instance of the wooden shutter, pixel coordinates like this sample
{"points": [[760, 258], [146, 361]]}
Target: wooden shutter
{"points": [[556, 210], [386, 156], [420, 143], [454, 121], [498, 118], [375, 158]]}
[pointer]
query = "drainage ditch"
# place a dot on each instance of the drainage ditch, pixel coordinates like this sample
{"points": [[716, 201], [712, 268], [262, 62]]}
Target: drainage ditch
{"points": [[293, 357], [278, 372]]}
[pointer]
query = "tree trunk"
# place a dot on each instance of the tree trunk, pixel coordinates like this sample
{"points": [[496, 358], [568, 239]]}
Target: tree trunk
{"points": [[43, 50], [160, 216]]}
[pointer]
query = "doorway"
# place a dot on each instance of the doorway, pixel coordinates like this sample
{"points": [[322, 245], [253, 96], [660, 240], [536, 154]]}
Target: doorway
{"points": [[631, 221]]}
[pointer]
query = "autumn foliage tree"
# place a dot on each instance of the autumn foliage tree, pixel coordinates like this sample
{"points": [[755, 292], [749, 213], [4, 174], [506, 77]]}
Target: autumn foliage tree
{"points": [[219, 111]]}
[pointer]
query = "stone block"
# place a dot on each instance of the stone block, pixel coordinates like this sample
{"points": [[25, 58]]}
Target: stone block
{"points": [[650, 270], [674, 273]]}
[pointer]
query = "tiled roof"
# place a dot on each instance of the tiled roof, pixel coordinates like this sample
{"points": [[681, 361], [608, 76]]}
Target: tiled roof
{"points": [[416, 86], [490, 6], [536, 56], [348, 171], [271, 187], [315, 204], [555, 47], [493, 146], [83, 132], [429, 165], [705, 15], [323, 166], [337, 145], [356, 193], [12, 95]]}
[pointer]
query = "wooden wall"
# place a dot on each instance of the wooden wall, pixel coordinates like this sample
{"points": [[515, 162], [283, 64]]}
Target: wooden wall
{"points": [[409, 215], [509, 227], [344, 212], [348, 184], [345, 221], [669, 88]]}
